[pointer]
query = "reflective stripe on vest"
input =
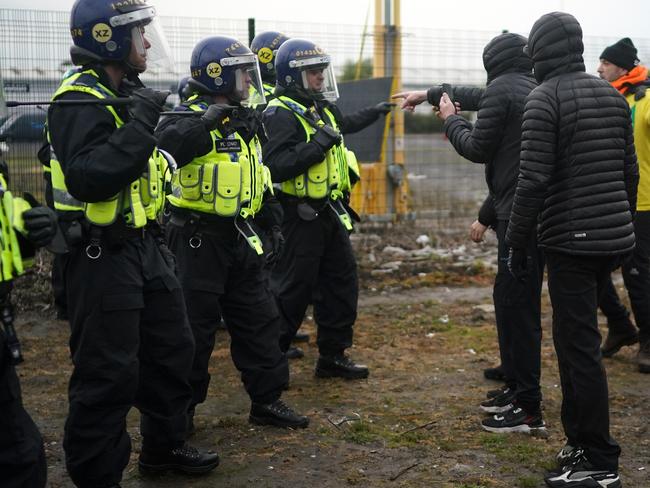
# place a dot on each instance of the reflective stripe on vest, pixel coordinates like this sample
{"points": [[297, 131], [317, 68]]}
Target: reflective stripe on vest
{"points": [[222, 182], [11, 211], [330, 177], [137, 204]]}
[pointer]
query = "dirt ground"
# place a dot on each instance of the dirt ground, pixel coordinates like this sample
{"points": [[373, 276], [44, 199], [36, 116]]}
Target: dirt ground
{"points": [[413, 423]]}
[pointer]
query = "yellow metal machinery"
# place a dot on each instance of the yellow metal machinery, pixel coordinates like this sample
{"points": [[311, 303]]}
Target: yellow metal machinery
{"points": [[383, 189]]}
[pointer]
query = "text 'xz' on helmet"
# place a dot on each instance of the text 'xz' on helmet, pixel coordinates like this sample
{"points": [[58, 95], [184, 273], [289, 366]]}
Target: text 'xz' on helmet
{"points": [[266, 45], [305, 67], [105, 31], [224, 66]]}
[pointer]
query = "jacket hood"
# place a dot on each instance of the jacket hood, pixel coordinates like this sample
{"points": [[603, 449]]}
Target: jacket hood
{"points": [[505, 54], [555, 45]]}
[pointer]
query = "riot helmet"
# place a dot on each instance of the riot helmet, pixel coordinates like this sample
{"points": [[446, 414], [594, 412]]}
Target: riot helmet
{"points": [[107, 31], [265, 45], [305, 67], [224, 66]]}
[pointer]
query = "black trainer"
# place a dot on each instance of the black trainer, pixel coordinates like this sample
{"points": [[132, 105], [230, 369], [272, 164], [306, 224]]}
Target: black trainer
{"points": [[340, 366], [500, 403], [495, 393], [565, 458], [515, 420], [295, 353], [582, 474], [186, 459], [301, 337], [278, 414], [495, 373]]}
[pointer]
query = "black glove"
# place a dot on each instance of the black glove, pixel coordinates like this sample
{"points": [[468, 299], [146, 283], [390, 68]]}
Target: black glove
{"points": [[167, 254], [277, 245], [214, 115], [384, 108], [146, 106], [326, 137], [41, 225], [518, 263]]}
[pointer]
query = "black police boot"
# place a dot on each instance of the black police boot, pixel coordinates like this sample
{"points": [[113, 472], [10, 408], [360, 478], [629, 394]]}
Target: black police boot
{"points": [[186, 459], [340, 366], [295, 353], [278, 414], [301, 337]]}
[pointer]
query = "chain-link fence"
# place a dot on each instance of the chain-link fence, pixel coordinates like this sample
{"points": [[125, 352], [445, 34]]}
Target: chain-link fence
{"points": [[443, 187]]}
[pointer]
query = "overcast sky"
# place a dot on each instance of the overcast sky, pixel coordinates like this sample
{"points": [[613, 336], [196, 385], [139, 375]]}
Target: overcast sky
{"points": [[598, 17]]}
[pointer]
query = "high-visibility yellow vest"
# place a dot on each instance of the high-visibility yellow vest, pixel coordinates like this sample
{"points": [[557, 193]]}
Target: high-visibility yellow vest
{"points": [[140, 202], [229, 180], [11, 220], [329, 178]]}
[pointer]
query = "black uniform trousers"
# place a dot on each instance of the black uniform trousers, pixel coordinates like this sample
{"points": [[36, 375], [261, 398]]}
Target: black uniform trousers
{"points": [[574, 284], [223, 277], [22, 458], [131, 345], [316, 266], [518, 316]]}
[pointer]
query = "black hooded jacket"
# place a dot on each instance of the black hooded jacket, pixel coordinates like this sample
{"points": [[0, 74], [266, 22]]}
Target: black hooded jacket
{"points": [[578, 171], [495, 137]]}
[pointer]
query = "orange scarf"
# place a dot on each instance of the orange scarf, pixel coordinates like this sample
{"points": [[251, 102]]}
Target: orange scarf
{"points": [[634, 77]]}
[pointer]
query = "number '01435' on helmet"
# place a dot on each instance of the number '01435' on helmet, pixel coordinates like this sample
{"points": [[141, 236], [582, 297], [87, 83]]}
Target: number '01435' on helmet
{"points": [[305, 67], [107, 31]]}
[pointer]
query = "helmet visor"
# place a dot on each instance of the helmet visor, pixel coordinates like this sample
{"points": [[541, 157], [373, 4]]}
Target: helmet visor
{"points": [[318, 78], [149, 41], [248, 87], [147, 37]]}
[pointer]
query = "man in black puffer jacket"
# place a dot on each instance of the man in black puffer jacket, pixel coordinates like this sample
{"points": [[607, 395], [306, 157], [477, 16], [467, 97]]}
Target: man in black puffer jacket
{"points": [[578, 177], [494, 140]]}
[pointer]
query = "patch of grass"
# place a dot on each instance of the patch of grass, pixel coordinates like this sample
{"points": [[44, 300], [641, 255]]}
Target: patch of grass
{"points": [[527, 482], [524, 451], [361, 433]]}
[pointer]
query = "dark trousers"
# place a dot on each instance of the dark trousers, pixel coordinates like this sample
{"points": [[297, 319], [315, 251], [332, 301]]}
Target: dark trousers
{"points": [[618, 317], [518, 315], [223, 276], [58, 285], [22, 457], [131, 345], [317, 266], [574, 284], [636, 275]]}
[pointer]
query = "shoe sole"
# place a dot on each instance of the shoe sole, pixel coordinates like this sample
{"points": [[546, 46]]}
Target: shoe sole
{"points": [[324, 373], [524, 429], [630, 341], [588, 483], [276, 423], [161, 468], [505, 408]]}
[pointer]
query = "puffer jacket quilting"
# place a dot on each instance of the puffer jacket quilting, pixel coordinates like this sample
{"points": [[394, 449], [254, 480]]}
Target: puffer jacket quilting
{"points": [[578, 171]]}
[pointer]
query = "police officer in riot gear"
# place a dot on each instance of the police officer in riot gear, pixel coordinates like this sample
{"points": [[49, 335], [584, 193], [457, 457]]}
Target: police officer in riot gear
{"points": [[131, 343], [265, 45], [220, 203], [22, 457], [309, 161]]}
